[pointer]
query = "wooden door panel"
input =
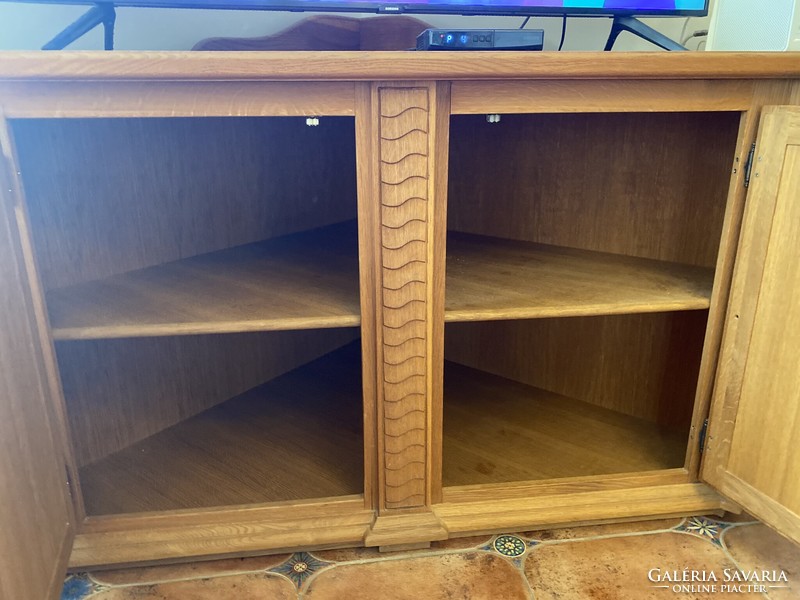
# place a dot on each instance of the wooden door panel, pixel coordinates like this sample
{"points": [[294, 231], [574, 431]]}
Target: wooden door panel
{"points": [[753, 444], [35, 512]]}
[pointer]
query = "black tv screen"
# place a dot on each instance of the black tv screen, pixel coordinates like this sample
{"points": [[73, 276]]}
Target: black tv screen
{"points": [[476, 7], [532, 7]]}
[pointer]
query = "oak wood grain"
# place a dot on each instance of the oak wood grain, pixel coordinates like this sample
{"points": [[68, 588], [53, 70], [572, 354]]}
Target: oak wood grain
{"points": [[756, 393], [410, 176], [498, 430], [437, 292], [369, 226], [107, 196], [764, 93], [649, 185], [564, 485], [353, 66], [75, 99], [403, 116], [299, 436], [398, 528], [520, 514], [120, 391], [229, 531], [302, 281], [36, 517], [580, 96], [642, 365], [47, 359], [491, 279]]}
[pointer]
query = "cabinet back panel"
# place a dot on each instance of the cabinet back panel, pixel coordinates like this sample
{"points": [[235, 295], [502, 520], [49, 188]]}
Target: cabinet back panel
{"points": [[107, 196], [652, 185], [643, 365], [120, 391], [298, 436]]}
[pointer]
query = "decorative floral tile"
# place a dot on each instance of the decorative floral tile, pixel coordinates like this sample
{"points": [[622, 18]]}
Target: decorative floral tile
{"points": [[510, 546], [78, 586], [299, 567], [705, 528]]}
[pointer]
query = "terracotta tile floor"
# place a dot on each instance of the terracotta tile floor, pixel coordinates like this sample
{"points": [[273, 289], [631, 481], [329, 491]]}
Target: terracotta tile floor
{"points": [[605, 562]]}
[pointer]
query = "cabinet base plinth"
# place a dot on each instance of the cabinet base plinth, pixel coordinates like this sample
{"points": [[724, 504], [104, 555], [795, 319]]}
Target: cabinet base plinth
{"points": [[405, 547], [404, 529], [480, 517]]}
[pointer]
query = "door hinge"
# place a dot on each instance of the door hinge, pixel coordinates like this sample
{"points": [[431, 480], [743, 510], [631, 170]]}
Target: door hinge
{"points": [[748, 166], [702, 439]]}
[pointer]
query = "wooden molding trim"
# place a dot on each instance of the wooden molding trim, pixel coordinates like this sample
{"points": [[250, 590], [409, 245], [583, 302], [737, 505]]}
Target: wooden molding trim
{"points": [[490, 516], [554, 96], [275, 511], [80, 99], [386, 65], [131, 539], [405, 528]]}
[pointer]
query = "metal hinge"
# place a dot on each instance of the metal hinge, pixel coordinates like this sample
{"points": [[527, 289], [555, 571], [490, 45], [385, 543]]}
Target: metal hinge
{"points": [[702, 440], [748, 167]]}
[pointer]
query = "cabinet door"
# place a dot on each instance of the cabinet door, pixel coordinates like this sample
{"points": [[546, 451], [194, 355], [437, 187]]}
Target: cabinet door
{"points": [[752, 453], [35, 512]]}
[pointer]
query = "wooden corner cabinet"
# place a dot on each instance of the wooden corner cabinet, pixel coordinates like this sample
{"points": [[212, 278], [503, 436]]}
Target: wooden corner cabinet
{"points": [[259, 302]]}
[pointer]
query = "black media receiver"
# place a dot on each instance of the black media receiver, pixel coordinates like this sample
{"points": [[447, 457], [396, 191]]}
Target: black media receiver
{"points": [[481, 39]]}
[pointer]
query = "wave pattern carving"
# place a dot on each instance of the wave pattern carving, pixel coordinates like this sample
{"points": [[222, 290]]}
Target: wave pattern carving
{"points": [[404, 116]]}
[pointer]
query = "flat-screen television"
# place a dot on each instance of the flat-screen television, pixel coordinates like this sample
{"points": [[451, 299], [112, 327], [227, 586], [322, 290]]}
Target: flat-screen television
{"points": [[524, 7], [465, 7]]}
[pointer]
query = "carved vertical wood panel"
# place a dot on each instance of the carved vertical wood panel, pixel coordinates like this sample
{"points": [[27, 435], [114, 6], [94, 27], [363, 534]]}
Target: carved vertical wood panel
{"points": [[404, 165], [403, 158]]}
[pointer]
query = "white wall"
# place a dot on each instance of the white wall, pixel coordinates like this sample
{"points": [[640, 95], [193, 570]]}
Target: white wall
{"points": [[29, 26]]}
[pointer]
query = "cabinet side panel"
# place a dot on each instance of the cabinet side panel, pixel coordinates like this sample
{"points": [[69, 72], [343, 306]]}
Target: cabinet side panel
{"points": [[35, 512]]}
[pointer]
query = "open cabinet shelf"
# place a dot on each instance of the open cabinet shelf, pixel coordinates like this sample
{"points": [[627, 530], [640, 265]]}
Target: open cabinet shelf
{"points": [[491, 278], [301, 281], [582, 251], [242, 334], [298, 436], [497, 430], [310, 280]]}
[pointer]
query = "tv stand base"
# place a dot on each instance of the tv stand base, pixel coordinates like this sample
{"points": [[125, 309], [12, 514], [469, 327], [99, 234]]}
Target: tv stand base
{"points": [[100, 14], [636, 27]]}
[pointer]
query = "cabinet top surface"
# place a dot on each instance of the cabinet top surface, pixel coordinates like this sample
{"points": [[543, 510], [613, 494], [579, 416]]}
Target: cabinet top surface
{"points": [[353, 66]]}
